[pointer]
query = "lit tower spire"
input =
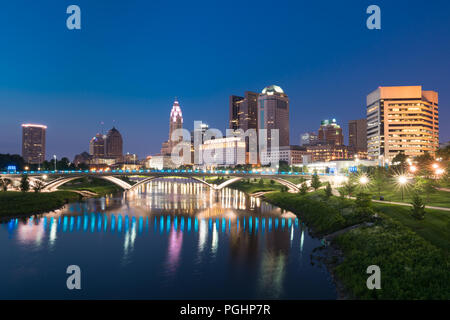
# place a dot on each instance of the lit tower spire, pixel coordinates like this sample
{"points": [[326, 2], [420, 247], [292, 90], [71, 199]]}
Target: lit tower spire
{"points": [[175, 122]]}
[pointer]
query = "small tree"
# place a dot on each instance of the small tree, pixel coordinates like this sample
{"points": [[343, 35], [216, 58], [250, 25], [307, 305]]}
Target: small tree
{"points": [[4, 183], [418, 209], [379, 179], [328, 190], [349, 188], [38, 186], [363, 200], [24, 183], [315, 181], [261, 182], [272, 182], [303, 188]]}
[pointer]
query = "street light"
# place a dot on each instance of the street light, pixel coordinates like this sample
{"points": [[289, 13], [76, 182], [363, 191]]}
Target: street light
{"points": [[402, 180], [54, 157], [412, 168], [363, 180]]}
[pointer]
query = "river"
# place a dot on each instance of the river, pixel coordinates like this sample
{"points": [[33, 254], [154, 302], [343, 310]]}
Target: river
{"points": [[170, 239]]}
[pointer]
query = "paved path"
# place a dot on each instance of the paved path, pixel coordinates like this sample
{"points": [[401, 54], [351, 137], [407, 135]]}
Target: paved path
{"points": [[336, 193]]}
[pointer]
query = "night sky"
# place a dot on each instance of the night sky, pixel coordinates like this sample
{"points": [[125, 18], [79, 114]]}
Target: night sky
{"points": [[132, 58]]}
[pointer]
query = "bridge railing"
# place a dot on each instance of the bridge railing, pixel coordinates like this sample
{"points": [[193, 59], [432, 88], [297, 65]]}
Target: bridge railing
{"points": [[260, 172]]}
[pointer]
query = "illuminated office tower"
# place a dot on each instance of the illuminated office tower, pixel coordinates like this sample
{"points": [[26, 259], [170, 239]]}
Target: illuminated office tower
{"points": [[273, 113], [357, 134], [97, 146], [244, 111], [114, 144], [330, 133], [402, 119], [33, 143]]}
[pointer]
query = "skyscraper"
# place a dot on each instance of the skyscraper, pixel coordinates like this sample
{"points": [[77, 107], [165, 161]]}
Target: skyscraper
{"points": [[402, 119], [175, 122], [330, 133], [244, 111], [114, 144], [273, 113], [357, 134], [33, 143], [97, 146]]}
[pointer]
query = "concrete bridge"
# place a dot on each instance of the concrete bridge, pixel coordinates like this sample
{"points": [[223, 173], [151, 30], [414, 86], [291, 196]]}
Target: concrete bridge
{"points": [[54, 179]]}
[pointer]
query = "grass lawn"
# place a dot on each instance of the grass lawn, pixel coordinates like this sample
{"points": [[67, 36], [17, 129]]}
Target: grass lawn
{"points": [[96, 185], [435, 227], [392, 193], [253, 187], [18, 203]]}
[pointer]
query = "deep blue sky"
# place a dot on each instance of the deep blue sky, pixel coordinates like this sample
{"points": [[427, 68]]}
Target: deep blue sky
{"points": [[132, 58]]}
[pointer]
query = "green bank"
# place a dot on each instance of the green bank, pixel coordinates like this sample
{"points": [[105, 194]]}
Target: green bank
{"points": [[25, 203], [413, 255]]}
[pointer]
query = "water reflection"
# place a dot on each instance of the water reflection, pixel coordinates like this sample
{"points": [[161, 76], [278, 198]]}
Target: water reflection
{"points": [[181, 227]]}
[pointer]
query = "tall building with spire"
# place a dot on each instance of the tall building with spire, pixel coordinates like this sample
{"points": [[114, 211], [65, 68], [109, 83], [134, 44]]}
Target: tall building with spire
{"points": [[175, 122]]}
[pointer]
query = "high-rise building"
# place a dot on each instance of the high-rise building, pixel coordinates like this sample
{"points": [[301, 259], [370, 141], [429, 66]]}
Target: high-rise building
{"points": [[175, 122], [114, 144], [33, 143], [244, 111], [97, 146], [357, 134], [273, 113], [235, 103], [308, 138], [330, 133], [402, 119]]}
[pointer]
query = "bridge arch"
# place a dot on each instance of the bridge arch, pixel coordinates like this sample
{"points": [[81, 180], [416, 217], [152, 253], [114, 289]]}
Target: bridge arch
{"points": [[53, 185], [142, 182]]}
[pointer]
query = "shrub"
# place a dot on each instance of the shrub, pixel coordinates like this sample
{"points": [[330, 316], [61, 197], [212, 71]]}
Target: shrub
{"points": [[303, 188], [418, 209], [24, 183], [363, 200], [328, 190], [315, 181]]}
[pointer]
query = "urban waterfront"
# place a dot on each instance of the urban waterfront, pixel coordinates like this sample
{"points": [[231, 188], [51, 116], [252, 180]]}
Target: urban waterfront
{"points": [[168, 239]]}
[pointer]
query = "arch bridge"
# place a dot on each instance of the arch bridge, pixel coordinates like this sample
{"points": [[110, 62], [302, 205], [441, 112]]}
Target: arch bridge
{"points": [[55, 179]]}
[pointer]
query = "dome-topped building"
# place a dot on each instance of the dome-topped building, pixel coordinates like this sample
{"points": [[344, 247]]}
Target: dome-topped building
{"points": [[273, 89], [273, 113]]}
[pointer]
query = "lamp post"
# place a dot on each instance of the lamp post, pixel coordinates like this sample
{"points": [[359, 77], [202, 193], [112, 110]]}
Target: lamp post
{"points": [[40, 155], [402, 181], [54, 157]]}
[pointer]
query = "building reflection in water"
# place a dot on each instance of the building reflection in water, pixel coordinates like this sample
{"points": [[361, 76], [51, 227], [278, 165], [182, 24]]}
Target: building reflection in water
{"points": [[174, 207]]}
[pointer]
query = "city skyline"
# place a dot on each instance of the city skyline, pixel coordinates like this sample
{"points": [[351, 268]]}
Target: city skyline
{"points": [[316, 71]]}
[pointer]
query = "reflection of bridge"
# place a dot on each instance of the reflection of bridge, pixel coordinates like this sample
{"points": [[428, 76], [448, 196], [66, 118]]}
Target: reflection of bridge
{"points": [[101, 222], [113, 176]]}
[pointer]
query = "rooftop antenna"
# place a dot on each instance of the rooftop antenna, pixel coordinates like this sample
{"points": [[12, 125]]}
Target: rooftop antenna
{"points": [[101, 127]]}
